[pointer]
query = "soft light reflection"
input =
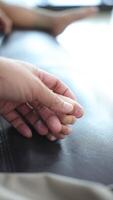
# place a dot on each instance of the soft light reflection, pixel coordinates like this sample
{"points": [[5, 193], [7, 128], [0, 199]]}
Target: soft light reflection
{"points": [[74, 2], [90, 44], [24, 2]]}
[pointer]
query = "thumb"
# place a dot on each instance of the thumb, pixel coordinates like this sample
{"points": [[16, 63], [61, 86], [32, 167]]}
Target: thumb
{"points": [[50, 99]]}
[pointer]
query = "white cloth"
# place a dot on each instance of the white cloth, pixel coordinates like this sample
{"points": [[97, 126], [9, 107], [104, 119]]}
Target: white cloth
{"points": [[47, 186]]}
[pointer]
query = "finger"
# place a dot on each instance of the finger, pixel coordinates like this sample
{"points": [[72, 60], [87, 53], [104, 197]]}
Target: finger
{"points": [[42, 128], [17, 122], [51, 99], [7, 107], [33, 118], [78, 110], [49, 117], [53, 138], [67, 119], [54, 84], [52, 121], [48, 98], [64, 132]]}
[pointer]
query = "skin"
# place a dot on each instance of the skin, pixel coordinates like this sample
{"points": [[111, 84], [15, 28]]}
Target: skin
{"points": [[54, 22], [5, 23], [22, 104], [30, 94]]}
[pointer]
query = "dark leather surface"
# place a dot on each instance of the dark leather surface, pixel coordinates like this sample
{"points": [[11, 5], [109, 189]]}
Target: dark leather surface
{"points": [[88, 152]]}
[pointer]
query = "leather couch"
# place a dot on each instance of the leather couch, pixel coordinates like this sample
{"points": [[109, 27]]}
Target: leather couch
{"points": [[87, 152]]}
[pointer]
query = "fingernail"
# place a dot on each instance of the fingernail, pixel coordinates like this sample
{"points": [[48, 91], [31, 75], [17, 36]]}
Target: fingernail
{"points": [[29, 133], [68, 107], [69, 120], [79, 112], [73, 120], [25, 131]]}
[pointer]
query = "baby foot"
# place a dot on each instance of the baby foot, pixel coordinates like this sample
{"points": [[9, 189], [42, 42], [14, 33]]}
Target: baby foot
{"points": [[63, 18]]}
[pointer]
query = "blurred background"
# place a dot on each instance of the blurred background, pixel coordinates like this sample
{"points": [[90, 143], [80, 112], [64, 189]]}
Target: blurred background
{"points": [[65, 2]]}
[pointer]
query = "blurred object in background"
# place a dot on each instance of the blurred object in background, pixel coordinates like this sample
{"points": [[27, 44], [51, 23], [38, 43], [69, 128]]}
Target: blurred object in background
{"points": [[79, 2], [1, 38], [63, 3], [108, 2], [74, 2], [58, 4], [24, 2]]}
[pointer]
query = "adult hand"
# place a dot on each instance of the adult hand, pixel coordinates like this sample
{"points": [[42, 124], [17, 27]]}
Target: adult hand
{"points": [[31, 92]]}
